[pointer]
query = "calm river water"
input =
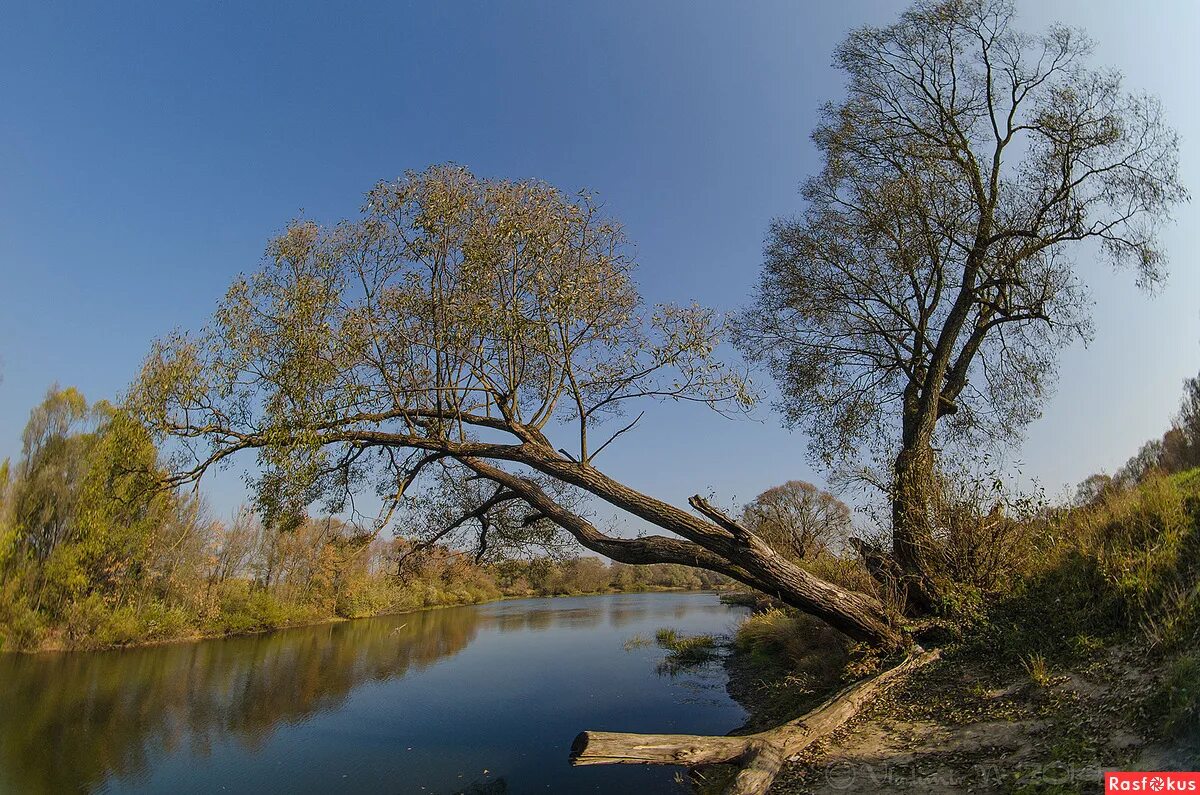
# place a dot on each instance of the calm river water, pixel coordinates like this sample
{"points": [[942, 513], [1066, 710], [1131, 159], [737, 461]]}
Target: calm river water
{"points": [[464, 700]]}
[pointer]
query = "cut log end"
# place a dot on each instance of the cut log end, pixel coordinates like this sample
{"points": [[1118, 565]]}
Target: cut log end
{"points": [[611, 748], [579, 746]]}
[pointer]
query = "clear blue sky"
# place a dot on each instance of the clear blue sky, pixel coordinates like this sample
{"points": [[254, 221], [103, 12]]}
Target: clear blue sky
{"points": [[147, 150]]}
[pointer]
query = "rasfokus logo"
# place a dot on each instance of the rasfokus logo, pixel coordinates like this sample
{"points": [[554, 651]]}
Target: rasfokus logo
{"points": [[1157, 781]]}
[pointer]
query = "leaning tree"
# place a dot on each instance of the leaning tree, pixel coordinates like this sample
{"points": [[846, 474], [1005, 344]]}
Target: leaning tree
{"points": [[917, 303], [448, 335]]}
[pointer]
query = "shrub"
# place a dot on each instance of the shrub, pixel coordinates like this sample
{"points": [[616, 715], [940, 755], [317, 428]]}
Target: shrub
{"points": [[84, 621], [21, 627], [162, 622], [1038, 669], [119, 628], [246, 609]]}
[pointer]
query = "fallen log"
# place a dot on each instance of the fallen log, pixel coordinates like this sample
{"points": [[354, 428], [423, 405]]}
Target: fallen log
{"points": [[759, 756]]}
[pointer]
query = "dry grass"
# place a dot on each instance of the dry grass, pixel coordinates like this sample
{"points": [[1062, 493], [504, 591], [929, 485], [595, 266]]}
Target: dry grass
{"points": [[1038, 669], [799, 642]]}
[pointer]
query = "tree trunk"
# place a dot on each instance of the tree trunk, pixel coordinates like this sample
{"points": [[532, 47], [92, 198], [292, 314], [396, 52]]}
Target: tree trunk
{"points": [[912, 532], [858, 615], [759, 756], [720, 544]]}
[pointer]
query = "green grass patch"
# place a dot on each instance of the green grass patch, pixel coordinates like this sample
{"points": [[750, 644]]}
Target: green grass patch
{"points": [[637, 642], [685, 651]]}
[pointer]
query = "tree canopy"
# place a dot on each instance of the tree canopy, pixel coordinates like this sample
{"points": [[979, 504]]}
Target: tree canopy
{"points": [[444, 336], [799, 519], [921, 297], [932, 274]]}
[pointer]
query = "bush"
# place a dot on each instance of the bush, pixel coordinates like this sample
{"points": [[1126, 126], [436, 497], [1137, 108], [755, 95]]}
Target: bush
{"points": [[164, 622], [84, 621], [245, 609], [1178, 697], [119, 628], [21, 627]]}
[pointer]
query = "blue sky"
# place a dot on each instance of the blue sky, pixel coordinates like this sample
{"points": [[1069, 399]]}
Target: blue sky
{"points": [[147, 151]]}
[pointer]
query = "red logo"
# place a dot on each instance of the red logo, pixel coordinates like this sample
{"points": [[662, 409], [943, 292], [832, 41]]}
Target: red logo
{"points": [[1158, 781]]}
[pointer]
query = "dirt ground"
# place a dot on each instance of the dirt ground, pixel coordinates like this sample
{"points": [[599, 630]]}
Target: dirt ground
{"points": [[964, 725]]}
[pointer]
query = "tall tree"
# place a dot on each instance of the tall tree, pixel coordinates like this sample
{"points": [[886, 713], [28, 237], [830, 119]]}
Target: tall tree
{"points": [[453, 328], [83, 510], [920, 298], [55, 445]]}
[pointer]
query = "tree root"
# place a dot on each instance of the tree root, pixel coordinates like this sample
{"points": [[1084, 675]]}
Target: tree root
{"points": [[759, 756]]}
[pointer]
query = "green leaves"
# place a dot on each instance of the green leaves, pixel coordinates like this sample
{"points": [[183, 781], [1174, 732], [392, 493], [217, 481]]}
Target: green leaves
{"points": [[453, 303]]}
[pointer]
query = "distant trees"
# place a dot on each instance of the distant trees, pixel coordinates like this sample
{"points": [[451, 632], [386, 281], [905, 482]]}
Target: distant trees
{"points": [[551, 577], [1188, 421], [1179, 448], [1176, 451], [1095, 488], [920, 298], [799, 520]]}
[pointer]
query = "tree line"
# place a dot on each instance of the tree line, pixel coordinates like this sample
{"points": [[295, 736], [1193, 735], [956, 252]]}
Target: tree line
{"points": [[93, 553], [1178, 450]]}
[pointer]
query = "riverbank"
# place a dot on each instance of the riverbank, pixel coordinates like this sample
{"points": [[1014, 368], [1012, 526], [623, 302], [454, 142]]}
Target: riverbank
{"points": [[53, 645], [969, 723], [1086, 660]]}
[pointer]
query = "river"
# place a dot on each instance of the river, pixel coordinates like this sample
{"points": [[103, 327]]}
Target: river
{"points": [[482, 699]]}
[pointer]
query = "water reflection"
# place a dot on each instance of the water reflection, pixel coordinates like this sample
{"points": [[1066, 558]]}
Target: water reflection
{"points": [[71, 722], [81, 717]]}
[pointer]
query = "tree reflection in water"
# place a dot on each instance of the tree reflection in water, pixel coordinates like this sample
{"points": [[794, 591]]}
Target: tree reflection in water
{"points": [[80, 721], [74, 719]]}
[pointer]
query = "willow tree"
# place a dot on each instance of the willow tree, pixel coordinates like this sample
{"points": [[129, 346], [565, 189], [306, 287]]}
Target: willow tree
{"points": [[448, 333], [918, 302]]}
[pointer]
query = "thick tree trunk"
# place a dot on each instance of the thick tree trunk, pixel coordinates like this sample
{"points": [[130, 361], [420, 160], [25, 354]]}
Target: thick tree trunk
{"points": [[858, 615], [759, 756], [752, 562], [720, 544], [912, 532]]}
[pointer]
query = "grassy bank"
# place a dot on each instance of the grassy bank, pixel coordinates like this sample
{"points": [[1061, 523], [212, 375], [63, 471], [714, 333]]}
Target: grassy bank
{"points": [[1087, 660], [241, 606]]}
